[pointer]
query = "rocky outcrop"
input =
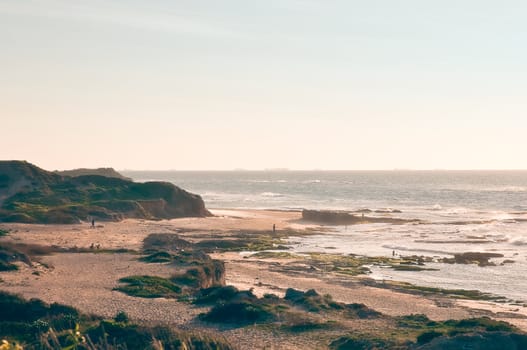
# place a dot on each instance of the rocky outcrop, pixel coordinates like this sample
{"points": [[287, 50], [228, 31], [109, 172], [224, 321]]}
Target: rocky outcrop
{"points": [[338, 217], [479, 258], [32, 195]]}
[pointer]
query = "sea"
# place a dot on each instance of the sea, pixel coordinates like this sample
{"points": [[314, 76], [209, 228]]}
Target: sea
{"points": [[458, 211]]}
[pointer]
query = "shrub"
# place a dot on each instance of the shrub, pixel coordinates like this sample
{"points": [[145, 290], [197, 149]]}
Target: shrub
{"points": [[428, 336], [239, 313], [360, 311], [121, 317], [311, 300], [158, 257], [413, 321], [217, 295], [353, 343], [149, 287]]}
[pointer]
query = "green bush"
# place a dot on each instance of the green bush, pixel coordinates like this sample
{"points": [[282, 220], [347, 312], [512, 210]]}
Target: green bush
{"points": [[36, 325], [121, 317], [219, 295], [239, 313], [149, 287], [158, 257], [427, 336], [362, 343]]}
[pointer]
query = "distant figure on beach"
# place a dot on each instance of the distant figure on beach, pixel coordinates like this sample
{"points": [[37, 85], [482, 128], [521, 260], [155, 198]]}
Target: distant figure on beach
{"points": [[92, 222], [393, 252], [274, 228]]}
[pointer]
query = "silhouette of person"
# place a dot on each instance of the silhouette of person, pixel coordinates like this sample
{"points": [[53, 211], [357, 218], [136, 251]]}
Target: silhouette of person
{"points": [[92, 222], [274, 228]]}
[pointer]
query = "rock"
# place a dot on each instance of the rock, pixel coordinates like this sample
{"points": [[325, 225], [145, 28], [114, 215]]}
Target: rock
{"points": [[482, 259], [338, 217]]}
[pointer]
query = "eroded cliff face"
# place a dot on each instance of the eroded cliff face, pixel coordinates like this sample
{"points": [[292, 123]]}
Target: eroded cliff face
{"points": [[33, 195], [20, 176]]}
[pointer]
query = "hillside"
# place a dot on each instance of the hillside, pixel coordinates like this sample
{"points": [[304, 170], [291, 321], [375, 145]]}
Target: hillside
{"points": [[33, 195], [107, 172]]}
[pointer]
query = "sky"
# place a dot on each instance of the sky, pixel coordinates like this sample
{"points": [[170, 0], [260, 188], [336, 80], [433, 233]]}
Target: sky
{"points": [[299, 84]]}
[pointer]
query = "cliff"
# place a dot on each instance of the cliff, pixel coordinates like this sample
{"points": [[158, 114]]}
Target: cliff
{"points": [[33, 195]]}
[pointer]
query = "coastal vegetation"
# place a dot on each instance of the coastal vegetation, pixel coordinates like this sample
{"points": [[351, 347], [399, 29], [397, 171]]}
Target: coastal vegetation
{"points": [[35, 325], [199, 282], [308, 312], [10, 253], [32, 195], [106, 172]]}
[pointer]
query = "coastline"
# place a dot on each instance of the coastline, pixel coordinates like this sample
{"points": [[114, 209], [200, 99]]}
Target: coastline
{"points": [[86, 280]]}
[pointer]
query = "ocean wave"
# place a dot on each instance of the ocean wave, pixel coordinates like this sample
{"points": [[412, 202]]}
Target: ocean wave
{"points": [[504, 189], [271, 194], [315, 181], [475, 188], [267, 181], [459, 210], [387, 210]]}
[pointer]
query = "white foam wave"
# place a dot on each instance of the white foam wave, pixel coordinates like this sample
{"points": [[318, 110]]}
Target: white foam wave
{"points": [[504, 189], [315, 181], [458, 210], [267, 181], [214, 194], [271, 194]]}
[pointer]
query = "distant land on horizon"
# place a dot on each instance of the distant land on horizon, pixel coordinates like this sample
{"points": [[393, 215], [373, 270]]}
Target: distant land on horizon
{"points": [[270, 170]]}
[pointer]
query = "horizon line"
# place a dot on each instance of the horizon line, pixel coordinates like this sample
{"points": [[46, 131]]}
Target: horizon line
{"points": [[271, 170]]}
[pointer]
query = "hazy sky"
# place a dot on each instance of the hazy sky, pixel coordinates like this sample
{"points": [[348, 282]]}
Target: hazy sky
{"points": [[302, 84]]}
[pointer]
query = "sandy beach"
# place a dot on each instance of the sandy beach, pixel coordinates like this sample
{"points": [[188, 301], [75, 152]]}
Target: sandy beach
{"points": [[86, 280]]}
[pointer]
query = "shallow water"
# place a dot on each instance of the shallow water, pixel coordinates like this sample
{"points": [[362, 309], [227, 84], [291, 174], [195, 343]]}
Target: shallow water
{"points": [[460, 211], [436, 241]]}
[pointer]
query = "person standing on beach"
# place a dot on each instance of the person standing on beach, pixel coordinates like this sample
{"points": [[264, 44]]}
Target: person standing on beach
{"points": [[274, 228], [92, 222]]}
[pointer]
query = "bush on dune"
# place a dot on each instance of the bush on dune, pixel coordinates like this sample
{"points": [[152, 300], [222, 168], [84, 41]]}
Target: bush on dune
{"points": [[149, 287], [35, 325]]}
